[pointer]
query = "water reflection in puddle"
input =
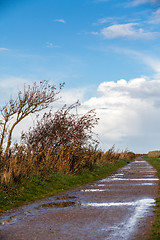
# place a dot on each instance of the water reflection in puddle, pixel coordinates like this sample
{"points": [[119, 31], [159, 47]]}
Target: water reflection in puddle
{"points": [[141, 202], [58, 204], [10, 220], [93, 190], [124, 230], [128, 179], [145, 184], [100, 185], [142, 161]]}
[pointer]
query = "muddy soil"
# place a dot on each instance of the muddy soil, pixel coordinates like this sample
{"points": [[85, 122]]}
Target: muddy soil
{"points": [[119, 207]]}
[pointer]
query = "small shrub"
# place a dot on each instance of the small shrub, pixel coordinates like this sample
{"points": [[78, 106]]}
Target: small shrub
{"points": [[154, 154], [127, 155]]}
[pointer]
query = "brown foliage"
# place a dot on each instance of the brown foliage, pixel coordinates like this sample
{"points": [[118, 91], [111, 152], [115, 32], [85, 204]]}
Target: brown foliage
{"points": [[61, 130], [66, 160], [154, 154], [63, 141], [127, 155]]}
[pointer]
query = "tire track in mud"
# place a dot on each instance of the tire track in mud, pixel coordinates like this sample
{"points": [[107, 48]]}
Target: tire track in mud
{"points": [[119, 207]]}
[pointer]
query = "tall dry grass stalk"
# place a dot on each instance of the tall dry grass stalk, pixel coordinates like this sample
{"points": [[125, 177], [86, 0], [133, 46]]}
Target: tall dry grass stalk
{"points": [[72, 159]]}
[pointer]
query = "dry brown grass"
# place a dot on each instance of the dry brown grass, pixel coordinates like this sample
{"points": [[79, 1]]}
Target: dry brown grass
{"points": [[154, 154], [72, 159], [127, 155]]}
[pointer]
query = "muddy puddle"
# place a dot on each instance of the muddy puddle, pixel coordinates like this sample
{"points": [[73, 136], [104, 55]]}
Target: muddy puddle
{"points": [[63, 201], [58, 205], [118, 207]]}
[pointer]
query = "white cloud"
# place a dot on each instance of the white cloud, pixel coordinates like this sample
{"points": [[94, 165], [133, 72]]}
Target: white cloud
{"points": [[139, 2], [94, 33], [51, 45], [9, 86], [128, 30], [105, 20], [108, 20], [3, 49], [154, 63], [151, 61], [128, 110], [60, 21], [155, 18], [70, 96]]}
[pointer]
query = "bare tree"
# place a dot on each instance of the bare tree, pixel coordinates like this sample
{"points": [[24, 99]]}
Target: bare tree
{"points": [[7, 112], [32, 99]]}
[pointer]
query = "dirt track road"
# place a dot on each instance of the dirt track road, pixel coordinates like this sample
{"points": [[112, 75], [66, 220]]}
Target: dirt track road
{"points": [[120, 207]]}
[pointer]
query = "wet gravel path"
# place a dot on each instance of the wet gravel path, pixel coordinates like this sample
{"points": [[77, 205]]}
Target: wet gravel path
{"points": [[119, 207]]}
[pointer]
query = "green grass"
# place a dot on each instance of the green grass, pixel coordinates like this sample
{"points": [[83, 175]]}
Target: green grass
{"points": [[155, 232], [28, 190]]}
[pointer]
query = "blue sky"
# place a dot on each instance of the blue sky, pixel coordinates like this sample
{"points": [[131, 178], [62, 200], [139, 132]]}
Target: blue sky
{"points": [[90, 45]]}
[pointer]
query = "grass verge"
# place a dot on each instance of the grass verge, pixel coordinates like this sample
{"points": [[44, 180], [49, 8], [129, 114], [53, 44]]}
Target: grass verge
{"points": [[28, 190], [155, 231]]}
